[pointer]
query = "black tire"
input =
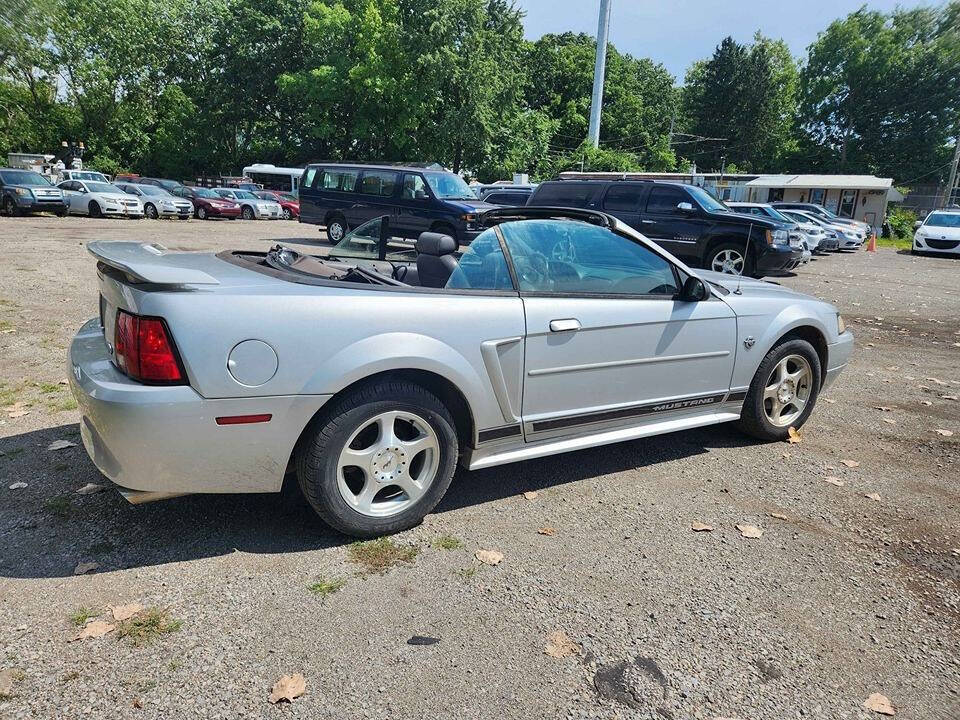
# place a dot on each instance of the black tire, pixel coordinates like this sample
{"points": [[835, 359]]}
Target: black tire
{"points": [[732, 247], [202, 213], [319, 452], [10, 207], [94, 209], [150, 211], [753, 418], [337, 229], [287, 215], [63, 213], [247, 212]]}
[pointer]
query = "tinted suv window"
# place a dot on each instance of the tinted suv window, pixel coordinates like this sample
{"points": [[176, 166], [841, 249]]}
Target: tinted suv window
{"points": [[335, 179], [623, 197], [507, 198], [565, 194], [666, 199], [378, 182], [565, 257], [308, 176]]}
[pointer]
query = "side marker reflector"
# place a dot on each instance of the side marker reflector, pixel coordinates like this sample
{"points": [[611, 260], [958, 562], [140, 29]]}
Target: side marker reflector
{"points": [[243, 419]]}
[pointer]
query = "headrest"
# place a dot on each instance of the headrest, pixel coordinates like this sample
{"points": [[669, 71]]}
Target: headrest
{"points": [[432, 243]]}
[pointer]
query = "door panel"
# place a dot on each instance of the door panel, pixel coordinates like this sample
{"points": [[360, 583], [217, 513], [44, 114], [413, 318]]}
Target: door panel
{"points": [[626, 353], [674, 229], [414, 211]]}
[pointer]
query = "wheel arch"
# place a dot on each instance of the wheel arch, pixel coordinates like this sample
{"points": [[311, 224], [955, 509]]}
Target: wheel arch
{"points": [[813, 336], [716, 241]]}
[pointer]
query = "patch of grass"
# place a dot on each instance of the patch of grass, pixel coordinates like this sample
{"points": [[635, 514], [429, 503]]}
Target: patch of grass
{"points": [[898, 243], [467, 572], [324, 587], [174, 665], [147, 625], [80, 616], [4, 325], [9, 393], [100, 548], [59, 506], [68, 403], [49, 388], [447, 542], [378, 556]]}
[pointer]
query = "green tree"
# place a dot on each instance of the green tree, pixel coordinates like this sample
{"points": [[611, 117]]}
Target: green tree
{"points": [[743, 99], [881, 93]]}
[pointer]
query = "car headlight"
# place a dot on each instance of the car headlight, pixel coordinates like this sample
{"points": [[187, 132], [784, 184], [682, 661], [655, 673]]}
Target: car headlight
{"points": [[110, 201], [780, 237], [841, 325], [23, 192]]}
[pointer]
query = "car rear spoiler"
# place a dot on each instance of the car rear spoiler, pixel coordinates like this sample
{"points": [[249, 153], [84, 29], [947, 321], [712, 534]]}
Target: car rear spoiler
{"points": [[149, 263], [531, 212]]}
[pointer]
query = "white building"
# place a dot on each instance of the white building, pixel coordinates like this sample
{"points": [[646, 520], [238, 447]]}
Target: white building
{"points": [[861, 197]]}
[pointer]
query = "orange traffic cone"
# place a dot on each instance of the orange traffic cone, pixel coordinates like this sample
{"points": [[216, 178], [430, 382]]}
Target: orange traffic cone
{"points": [[872, 244]]}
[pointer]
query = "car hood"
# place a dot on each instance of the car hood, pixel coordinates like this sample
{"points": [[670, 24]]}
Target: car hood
{"points": [[471, 205], [116, 196], [939, 233], [748, 287], [747, 218]]}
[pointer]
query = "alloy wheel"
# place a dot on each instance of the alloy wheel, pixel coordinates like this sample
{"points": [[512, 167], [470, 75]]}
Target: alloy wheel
{"points": [[728, 261], [787, 390], [388, 463], [335, 231]]}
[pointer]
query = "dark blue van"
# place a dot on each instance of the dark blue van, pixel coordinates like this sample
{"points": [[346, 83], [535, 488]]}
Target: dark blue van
{"points": [[342, 196]]}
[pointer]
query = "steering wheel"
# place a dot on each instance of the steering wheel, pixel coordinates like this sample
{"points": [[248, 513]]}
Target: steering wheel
{"points": [[563, 251], [531, 269]]}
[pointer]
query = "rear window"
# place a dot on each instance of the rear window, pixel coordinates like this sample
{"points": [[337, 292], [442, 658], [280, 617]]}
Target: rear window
{"points": [[338, 180], [565, 194]]}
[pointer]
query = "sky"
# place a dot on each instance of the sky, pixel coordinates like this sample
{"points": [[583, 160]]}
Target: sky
{"points": [[677, 32]]}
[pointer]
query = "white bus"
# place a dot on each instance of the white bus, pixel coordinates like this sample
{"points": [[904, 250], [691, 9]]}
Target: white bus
{"points": [[282, 179]]}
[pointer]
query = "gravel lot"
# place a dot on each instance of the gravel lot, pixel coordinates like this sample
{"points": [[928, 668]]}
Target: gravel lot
{"points": [[843, 596]]}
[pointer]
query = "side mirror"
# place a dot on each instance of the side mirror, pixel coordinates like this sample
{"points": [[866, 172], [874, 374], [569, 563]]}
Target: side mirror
{"points": [[420, 195], [693, 290], [684, 207], [917, 224]]}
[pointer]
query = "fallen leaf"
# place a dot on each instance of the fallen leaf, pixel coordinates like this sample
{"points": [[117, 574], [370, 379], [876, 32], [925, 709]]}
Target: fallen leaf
{"points": [[125, 612], [7, 678], [834, 481], [138, 703], [84, 568], [882, 408], [944, 433], [698, 526], [749, 531], [787, 456], [879, 704], [778, 516], [560, 646], [949, 397], [94, 629], [889, 421], [909, 377], [63, 381], [18, 413], [530, 494], [935, 381], [287, 688], [90, 489], [18, 486], [489, 557], [60, 445], [873, 496], [829, 400], [422, 640], [850, 463], [926, 402], [793, 437], [546, 531]]}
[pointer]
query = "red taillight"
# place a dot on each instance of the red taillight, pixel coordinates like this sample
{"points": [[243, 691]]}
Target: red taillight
{"points": [[144, 351]]}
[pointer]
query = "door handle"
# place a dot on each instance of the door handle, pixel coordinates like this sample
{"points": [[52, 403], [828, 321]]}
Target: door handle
{"points": [[565, 325], [649, 222]]}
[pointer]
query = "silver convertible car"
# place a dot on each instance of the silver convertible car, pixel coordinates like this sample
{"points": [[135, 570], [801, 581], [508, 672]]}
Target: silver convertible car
{"points": [[371, 377]]}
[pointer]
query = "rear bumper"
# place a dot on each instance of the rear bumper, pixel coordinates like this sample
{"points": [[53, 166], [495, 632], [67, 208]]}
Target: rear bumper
{"points": [[165, 439], [838, 355]]}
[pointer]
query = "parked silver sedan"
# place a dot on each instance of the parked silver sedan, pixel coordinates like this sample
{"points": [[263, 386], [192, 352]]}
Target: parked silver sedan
{"points": [[157, 202], [251, 206], [556, 330]]}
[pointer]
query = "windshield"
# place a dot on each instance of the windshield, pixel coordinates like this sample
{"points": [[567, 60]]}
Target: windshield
{"points": [[151, 190], [448, 186], [206, 193], [95, 176], [948, 220], [777, 215], [23, 177], [102, 187], [364, 242], [244, 195], [287, 197], [707, 201]]}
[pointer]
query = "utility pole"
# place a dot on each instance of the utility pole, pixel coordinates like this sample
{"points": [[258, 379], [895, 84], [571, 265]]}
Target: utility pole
{"points": [[599, 70], [948, 200]]}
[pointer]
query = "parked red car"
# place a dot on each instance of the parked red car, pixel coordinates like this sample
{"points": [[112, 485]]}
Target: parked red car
{"points": [[289, 203], [207, 204]]}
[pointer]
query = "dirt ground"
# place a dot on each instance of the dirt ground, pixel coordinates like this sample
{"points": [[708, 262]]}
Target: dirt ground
{"points": [[853, 588]]}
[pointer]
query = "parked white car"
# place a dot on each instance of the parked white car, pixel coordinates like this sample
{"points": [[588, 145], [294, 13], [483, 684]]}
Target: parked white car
{"points": [[809, 234], [93, 175], [252, 207], [99, 199], [848, 236], [157, 202], [939, 232], [827, 239]]}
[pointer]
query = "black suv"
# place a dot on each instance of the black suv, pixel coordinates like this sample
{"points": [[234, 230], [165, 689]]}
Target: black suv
{"points": [[686, 220], [342, 196]]}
